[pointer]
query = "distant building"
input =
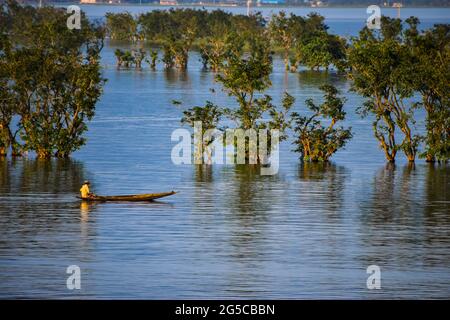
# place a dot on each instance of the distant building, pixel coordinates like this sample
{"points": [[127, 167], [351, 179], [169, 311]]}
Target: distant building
{"points": [[315, 4], [101, 1], [168, 2], [272, 1]]}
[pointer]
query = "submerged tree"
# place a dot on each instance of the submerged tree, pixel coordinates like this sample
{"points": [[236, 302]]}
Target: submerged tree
{"points": [[168, 57], [131, 57], [303, 40], [119, 56], [209, 117], [317, 142], [124, 58], [382, 70], [7, 101], [121, 26], [138, 57], [285, 31], [153, 58], [431, 76], [216, 49], [216, 32], [176, 30], [50, 78], [321, 51], [245, 76]]}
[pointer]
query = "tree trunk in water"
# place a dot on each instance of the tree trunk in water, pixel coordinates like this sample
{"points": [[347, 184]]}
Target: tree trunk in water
{"points": [[430, 158], [6, 139], [286, 60], [15, 152], [62, 154], [390, 156], [15, 147], [3, 152], [43, 154]]}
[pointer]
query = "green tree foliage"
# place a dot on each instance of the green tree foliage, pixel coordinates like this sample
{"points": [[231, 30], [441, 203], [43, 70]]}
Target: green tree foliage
{"points": [[245, 76], [215, 50], [209, 116], [177, 31], [431, 78], [316, 48], [382, 71], [168, 57], [305, 40], [314, 141], [7, 98], [138, 56], [124, 58], [248, 27], [131, 57], [121, 26], [50, 78], [217, 33], [321, 51], [153, 58], [284, 31]]}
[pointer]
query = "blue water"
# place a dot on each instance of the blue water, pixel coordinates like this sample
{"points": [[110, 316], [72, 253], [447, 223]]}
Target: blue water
{"points": [[310, 231]]}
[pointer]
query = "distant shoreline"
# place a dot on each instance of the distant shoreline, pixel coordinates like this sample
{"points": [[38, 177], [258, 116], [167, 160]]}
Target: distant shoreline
{"points": [[209, 5]]}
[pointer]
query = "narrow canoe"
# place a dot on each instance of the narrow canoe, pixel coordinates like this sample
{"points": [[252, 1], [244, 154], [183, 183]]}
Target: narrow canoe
{"points": [[133, 197]]}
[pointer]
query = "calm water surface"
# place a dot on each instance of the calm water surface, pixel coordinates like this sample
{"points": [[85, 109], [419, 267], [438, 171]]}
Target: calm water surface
{"points": [[309, 232]]}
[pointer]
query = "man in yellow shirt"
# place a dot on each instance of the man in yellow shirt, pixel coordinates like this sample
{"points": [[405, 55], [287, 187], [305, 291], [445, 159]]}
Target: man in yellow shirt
{"points": [[85, 193]]}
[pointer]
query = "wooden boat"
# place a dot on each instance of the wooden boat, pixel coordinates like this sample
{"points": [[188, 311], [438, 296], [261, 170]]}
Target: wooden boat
{"points": [[131, 197]]}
